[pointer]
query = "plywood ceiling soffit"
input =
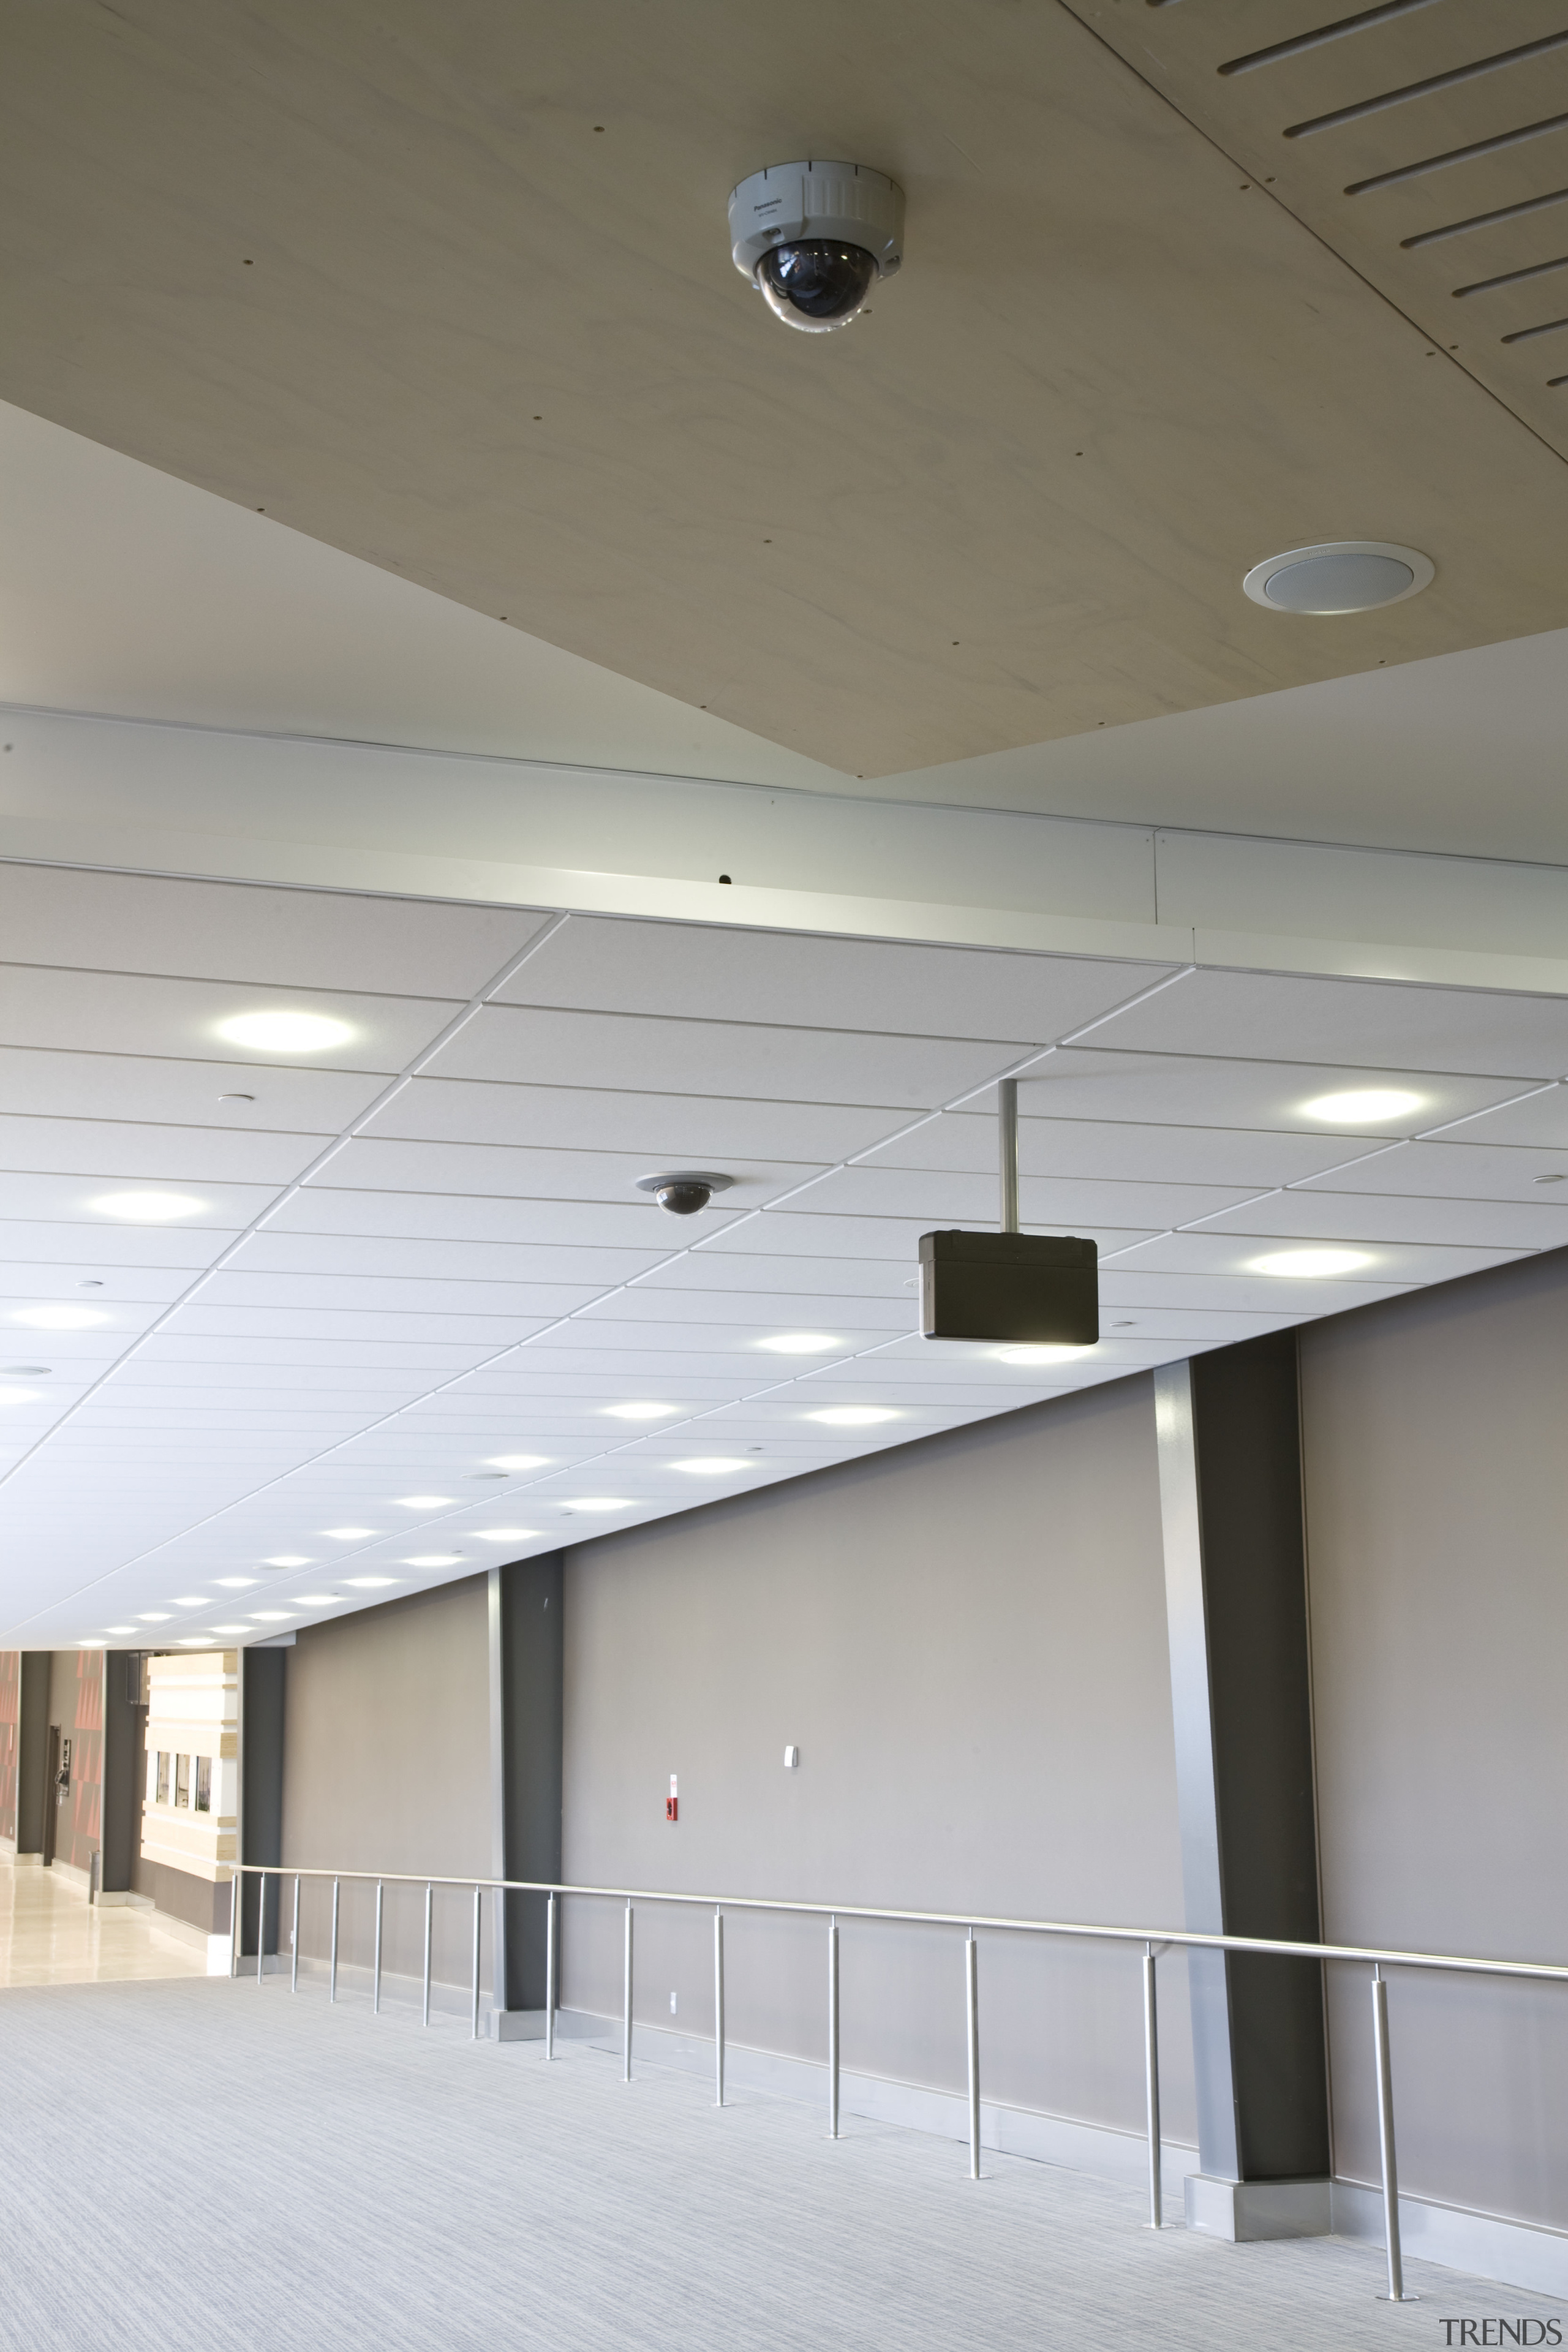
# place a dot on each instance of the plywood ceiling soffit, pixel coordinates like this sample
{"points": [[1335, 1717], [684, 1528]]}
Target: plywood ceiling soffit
{"points": [[380, 271]]}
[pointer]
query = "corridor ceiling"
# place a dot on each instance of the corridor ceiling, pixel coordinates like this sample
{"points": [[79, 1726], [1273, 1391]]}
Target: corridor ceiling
{"points": [[446, 285], [284, 1333]]}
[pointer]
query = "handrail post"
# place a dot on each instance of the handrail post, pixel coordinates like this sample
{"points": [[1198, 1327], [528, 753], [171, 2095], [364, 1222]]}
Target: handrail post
{"points": [[972, 2019], [474, 2029], [550, 1976], [376, 1985], [832, 2028], [1385, 2137], [333, 1973], [260, 1927], [1151, 2081], [626, 2006], [294, 1941], [717, 2008], [429, 1909], [236, 1890]]}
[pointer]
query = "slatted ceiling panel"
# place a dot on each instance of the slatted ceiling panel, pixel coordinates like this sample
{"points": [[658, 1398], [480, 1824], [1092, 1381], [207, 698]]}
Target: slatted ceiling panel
{"points": [[964, 1200], [1287, 1019], [509, 1172], [1464, 1171], [120, 1012], [1429, 146], [125, 1148], [1541, 1120], [1114, 1149], [1379, 1217], [85, 1084]]}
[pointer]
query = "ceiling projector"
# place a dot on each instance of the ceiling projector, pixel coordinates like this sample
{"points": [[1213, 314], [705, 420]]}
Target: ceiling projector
{"points": [[814, 238]]}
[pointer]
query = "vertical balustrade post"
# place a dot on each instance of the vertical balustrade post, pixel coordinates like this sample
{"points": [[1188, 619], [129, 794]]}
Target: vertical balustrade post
{"points": [[717, 2008], [375, 1984], [1385, 2138], [474, 2024], [236, 1906], [1151, 2082], [429, 1922], [294, 1941], [550, 1994], [626, 2006], [972, 2020], [260, 1925], [832, 2028], [333, 1970]]}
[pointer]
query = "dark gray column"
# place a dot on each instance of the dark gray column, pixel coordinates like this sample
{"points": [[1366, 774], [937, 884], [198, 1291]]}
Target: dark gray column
{"points": [[124, 1768], [1230, 1491], [32, 1753], [526, 1613], [263, 1688]]}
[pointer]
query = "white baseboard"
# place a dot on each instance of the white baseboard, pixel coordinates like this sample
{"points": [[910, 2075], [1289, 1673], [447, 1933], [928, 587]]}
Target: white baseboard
{"points": [[1516, 2253], [1098, 2148]]}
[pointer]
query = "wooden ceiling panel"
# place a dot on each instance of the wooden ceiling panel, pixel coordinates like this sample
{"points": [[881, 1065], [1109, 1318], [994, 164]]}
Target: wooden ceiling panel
{"points": [[448, 287]]}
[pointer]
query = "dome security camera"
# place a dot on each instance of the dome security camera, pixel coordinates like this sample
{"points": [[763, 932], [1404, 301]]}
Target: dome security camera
{"points": [[685, 1190], [814, 238]]}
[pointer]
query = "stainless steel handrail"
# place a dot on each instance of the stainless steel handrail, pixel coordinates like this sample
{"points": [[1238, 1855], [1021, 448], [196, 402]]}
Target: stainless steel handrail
{"points": [[1153, 1940]]}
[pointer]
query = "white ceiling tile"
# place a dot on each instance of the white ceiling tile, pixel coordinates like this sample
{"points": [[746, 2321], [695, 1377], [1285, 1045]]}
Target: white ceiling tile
{"points": [[719, 1058], [1085, 1082], [1118, 1150], [1127, 1288], [687, 1130], [1235, 1252], [517, 1302], [80, 1251], [1540, 1121], [225, 931], [1319, 1214], [638, 1226], [1363, 1023], [143, 1285], [479, 1333], [556, 1176], [782, 1275], [362, 1256], [686, 969], [1460, 1171], [62, 1199], [116, 1013], [121, 1151], [934, 1198], [53, 1085], [762, 1310], [678, 1335]]}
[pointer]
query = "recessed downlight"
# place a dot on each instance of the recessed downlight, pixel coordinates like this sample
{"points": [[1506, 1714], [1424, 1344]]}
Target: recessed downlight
{"points": [[505, 1534], [1311, 1264], [283, 1032], [147, 1208], [191, 1601], [711, 1465], [270, 1616], [317, 1600], [598, 1503], [154, 1617], [18, 1396], [120, 1629], [1362, 1105], [235, 1583], [195, 1642], [351, 1535], [434, 1559], [802, 1343], [369, 1583], [424, 1502], [642, 1409], [519, 1461], [853, 1416], [288, 1559], [51, 1318], [1339, 575]]}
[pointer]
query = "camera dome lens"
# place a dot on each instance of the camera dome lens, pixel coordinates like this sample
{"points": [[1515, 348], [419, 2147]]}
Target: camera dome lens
{"points": [[816, 285], [683, 1199]]}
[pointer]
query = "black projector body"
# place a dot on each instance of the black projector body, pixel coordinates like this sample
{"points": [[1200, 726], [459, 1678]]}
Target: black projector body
{"points": [[1029, 1289]]}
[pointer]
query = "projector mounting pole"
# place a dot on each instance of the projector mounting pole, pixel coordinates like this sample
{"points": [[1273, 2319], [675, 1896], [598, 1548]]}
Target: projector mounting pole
{"points": [[1008, 1144]]}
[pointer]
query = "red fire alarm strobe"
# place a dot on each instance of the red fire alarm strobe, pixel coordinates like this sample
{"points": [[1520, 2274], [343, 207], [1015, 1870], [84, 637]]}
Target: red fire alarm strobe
{"points": [[672, 1802]]}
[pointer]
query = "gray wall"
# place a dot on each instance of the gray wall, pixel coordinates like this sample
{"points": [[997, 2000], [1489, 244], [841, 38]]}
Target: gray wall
{"points": [[386, 1766], [965, 1638], [1437, 1525]]}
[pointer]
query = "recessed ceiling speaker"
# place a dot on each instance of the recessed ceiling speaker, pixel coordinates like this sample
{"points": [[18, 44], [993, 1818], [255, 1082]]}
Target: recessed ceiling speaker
{"points": [[1028, 1289], [1341, 575], [684, 1190], [814, 238]]}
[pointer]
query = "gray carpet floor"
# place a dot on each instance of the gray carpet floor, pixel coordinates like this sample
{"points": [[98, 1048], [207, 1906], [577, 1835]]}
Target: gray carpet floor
{"points": [[207, 2168]]}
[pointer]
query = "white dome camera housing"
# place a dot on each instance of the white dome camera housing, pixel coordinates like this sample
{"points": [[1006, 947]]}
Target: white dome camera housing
{"points": [[814, 238]]}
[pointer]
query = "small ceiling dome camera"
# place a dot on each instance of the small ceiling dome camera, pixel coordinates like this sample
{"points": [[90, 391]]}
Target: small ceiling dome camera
{"points": [[685, 1190], [814, 238]]}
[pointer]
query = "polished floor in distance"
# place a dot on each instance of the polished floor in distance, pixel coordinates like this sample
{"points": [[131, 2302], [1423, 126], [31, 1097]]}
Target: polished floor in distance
{"points": [[214, 2166], [51, 1934]]}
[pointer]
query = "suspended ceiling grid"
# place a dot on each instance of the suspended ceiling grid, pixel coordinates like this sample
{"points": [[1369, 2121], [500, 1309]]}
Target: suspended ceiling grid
{"points": [[422, 1250]]}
